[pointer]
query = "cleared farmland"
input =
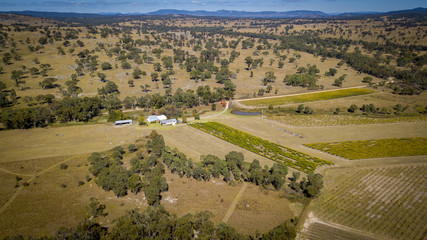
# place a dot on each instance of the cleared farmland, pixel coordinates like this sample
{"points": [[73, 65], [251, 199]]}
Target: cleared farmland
{"points": [[308, 97], [392, 147], [319, 120], [320, 231], [270, 150], [389, 202]]}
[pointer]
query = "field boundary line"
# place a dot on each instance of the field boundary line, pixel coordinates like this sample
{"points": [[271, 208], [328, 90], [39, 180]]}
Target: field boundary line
{"points": [[234, 203], [326, 153], [16, 193]]}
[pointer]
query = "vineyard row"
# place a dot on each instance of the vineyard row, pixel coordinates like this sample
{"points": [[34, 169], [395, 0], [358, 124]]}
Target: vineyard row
{"points": [[270, 150]]}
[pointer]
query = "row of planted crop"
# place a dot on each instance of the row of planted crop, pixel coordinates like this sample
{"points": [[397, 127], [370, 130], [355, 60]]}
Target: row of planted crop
{"points": [[390, 217], [392, 147], [270, 150]]}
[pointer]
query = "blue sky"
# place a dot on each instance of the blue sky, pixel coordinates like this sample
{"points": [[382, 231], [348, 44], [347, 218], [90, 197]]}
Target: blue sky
{"points": [[143, 6]]}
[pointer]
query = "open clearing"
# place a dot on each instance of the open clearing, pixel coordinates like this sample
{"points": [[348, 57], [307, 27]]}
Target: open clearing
{"points": [[375, 148], [39, 208], [307, 97], [257, 209], [58, 141]]}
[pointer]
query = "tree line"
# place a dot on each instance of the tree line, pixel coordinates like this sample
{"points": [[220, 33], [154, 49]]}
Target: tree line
{"points": [[158, 223], [231, 169], [66, 110]]}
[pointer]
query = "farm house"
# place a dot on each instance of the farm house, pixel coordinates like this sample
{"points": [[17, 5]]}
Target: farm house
{"points": [[172, 121], [155, 118]]}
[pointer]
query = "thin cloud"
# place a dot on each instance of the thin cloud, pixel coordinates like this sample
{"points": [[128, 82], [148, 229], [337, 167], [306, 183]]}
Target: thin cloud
{"points": [[295, 1], [8, 4]]}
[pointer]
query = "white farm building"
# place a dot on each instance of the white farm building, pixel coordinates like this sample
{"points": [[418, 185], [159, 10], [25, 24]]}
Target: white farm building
{"points": [[156, 118], [172, 121]]}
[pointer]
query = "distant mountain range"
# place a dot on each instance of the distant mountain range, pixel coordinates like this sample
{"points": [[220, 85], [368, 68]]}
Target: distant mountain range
{"points": [[243, 14], [222, 13]]}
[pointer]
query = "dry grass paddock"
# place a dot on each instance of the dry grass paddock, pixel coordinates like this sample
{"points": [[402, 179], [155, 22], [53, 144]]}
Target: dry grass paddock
{"points": [[257, 209], [58, 141], [39, 208]]}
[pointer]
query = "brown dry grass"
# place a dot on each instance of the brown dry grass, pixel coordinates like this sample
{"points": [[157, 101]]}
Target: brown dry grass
{"points": [[44, 206], [257, 210], [7, 187], [58, 141]]}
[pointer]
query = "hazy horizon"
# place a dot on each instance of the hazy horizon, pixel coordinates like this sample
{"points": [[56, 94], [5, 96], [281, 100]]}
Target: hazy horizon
{"points": [[126, 6]]}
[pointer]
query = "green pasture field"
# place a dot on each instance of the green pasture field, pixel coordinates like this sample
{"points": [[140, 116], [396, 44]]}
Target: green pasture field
{"points": [[392, 147], [308, 97], [270, 150]]}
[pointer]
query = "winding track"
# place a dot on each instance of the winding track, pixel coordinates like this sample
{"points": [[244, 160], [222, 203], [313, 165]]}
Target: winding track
{"points": [[216, 115]]}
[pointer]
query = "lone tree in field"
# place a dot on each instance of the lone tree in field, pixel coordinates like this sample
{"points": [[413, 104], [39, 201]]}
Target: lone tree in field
{"points": [[136, 73], [367, 80], [249, 61], [131, 83], [102, 76], [145, 88], [105, 66], [331, 72], [154, 77], [126, 65], [157, 67], [269, 77], [17, 77], [97, 209], [352, 108]]}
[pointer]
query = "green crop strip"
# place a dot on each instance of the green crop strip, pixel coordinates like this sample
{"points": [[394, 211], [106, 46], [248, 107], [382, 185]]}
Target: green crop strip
{"points": [[393, 147], [309, 97], [270, 150]]}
